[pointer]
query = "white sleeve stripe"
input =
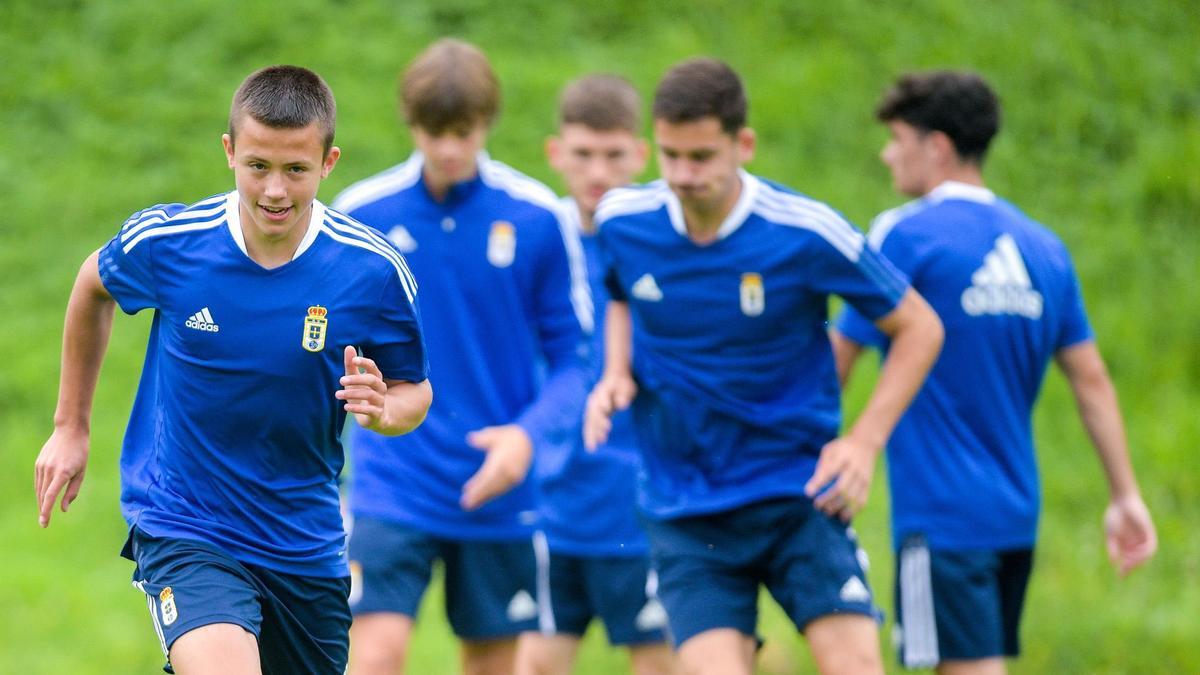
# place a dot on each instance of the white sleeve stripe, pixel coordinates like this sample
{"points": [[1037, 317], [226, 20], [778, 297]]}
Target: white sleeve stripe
{"points": [[367, 246], [581, 295], [189, 215], [349, 227], [625, 202], [172, 229], [376, 187], [838, 232], [497, 175], [882, 226], [827, 221]]}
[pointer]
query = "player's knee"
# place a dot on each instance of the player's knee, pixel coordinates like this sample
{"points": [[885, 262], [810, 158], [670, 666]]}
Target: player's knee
{"points": [[378, 646]]}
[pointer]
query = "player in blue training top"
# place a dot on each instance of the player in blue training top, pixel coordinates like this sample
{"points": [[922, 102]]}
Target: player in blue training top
{"points": [[504, 313], [230, 462], [716, 332], [961, 462], [592, 556]]}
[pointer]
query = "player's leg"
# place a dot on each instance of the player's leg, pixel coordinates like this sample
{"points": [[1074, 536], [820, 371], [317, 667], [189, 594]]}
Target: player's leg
{"points": [[1012, 580], [216, 649], [490, 601], [708, 584], [624, 593], [564, 612], [390, 565], [204, 605], [817, 573]]}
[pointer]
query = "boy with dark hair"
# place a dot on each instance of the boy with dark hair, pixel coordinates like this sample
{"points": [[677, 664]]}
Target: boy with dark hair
{"points": [[505, 328], [715, 333], [592, 557], [963, 477], [230, 463]]}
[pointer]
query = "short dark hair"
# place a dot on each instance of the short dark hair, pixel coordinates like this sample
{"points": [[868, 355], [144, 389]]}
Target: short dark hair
{"points": [[285, 97], [449, 84], [959, 104], [601, 102], [699, 88]]}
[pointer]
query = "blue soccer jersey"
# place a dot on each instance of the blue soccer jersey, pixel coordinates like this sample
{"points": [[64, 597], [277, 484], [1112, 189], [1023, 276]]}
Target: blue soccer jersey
{"points": [[961, 461], [737, 386], [235, 433], [504, 313], [587, 501]]}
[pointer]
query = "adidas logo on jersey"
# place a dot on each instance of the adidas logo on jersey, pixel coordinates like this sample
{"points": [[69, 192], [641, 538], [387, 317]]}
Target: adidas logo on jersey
{"points": [[1002, 285], [854, 590], [521, 607], [646, 288], [403, 239], [202, 320]]}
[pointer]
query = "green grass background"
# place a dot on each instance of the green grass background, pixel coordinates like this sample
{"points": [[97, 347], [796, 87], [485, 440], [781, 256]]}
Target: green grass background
{"points": [[106, 107]]}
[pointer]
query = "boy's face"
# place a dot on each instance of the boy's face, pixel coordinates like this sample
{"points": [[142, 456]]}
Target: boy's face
{"points": [[277, 172], [593, 162], [450, 153], [912, 157], [699, 161]]}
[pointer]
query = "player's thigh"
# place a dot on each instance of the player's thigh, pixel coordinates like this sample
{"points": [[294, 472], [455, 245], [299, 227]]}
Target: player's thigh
{"points": [[719, 651], [216, 649], [652, 659], [541, 654], [190, 584], [390, 567], [306, 623], [623, 592], [490, 589], [816, 568], [707, 577], [845, 644]]}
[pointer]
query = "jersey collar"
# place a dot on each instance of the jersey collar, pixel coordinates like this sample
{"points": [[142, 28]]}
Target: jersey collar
{"points": [[737, 215], [233, 216], [953, 189]]}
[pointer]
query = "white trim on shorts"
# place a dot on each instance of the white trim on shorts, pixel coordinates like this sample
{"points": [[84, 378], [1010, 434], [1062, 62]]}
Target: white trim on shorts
{"points": [[541, 556], [919, 646], [162, 640]]}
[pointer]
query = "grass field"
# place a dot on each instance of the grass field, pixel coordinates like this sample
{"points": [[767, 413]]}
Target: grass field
{"points": [[107, 107]]}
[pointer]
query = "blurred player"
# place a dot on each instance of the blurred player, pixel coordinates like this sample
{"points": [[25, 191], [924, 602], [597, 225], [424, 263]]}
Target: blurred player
{"points": [[505, 314], [716, 333], [592, 557], [961, 462], [230, 463]]}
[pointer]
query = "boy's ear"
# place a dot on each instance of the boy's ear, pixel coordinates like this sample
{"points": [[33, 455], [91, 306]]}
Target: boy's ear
{"points": [[554, 152]]}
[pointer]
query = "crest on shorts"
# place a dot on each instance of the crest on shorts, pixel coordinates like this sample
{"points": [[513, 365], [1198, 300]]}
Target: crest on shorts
{"points": [[166, 600], [753, 297], [502, 243], [315, 324]]}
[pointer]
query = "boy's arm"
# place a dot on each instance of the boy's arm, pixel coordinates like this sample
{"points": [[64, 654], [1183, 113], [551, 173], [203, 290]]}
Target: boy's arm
{"points": [[616, 388], [388, 407], [848, 462], [63, 459], [845, 355], [1128, 527]]}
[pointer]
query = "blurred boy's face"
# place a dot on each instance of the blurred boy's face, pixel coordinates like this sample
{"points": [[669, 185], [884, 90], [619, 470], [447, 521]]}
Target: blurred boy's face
{"points": [[912, 157], [277, 172], [450, 153], [593, 162], [699, 161]]}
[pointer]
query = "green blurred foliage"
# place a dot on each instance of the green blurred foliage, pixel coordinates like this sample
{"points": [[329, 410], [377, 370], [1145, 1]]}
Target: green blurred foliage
{"points": [[106, 107]]}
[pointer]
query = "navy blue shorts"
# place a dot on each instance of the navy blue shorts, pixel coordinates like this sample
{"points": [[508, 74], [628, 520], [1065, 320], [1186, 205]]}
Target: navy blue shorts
{"points": [[621, 591], [953, 605], [489, 585], [710, 567], [302, 623]]}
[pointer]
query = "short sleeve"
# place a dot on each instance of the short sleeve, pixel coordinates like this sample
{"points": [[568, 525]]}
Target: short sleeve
{"points": [[1074, 326], [842, 264], [397, 344], [127, 261]]}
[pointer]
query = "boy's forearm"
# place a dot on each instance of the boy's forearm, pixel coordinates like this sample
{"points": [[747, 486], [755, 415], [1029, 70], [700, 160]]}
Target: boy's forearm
{"points": [[86, 331]]}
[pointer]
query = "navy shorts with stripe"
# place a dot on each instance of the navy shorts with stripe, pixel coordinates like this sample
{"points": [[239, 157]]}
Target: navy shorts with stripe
{"points": [[302, 623], [710, 567], [958, 605], [489, 585], [621, 591]]}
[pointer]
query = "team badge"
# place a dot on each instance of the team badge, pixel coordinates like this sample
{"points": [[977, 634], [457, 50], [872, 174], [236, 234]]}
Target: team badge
{"points": [[166, 600], [502, 244], [754, 298], [315, 323]]}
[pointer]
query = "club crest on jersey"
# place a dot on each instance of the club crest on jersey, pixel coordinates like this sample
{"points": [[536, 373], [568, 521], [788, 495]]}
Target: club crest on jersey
{"points": [[502, 243], [315, 324], [166, 600], [753, 297]]}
